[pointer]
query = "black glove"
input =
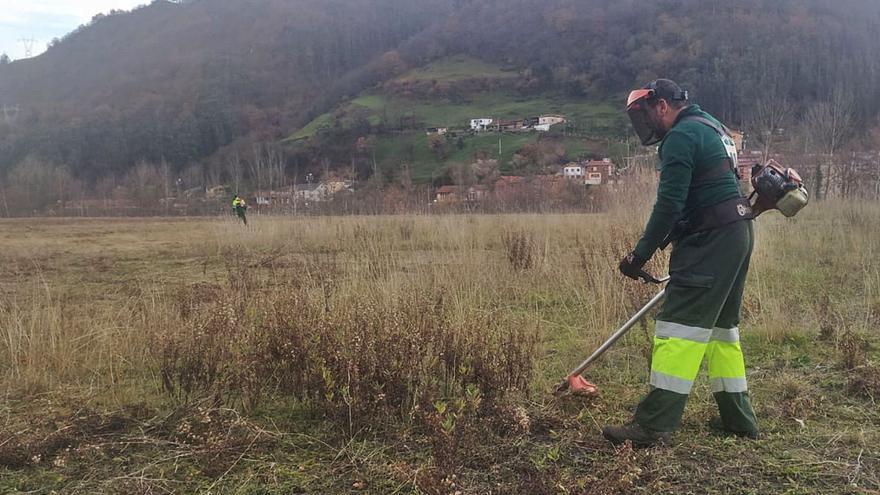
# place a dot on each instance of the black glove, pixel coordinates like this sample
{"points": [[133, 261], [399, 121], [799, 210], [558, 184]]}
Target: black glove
{"points": [[631, 266]]}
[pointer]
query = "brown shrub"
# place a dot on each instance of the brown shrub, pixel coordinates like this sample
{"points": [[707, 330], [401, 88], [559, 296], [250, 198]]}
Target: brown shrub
{"points": [[366, 358], [796, 396], [853, 350], [520, 248], [864, 382]]}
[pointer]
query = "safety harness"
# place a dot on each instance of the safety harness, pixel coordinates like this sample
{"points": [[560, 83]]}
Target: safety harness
{"points": [[721, 214]]}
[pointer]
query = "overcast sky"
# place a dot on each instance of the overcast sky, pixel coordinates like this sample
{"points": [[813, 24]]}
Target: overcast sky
{"points": [[43, 20]]}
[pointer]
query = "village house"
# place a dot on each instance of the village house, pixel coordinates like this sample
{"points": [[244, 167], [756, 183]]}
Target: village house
{"points": [[321, 191], [573, 171], [263, 198], [508, 186], [461, 194], [509, 125], [480, 125], [598, 172], [274, 199], [446, 194], [545, 122], [477, 193], [551, 119], [217, 192]]}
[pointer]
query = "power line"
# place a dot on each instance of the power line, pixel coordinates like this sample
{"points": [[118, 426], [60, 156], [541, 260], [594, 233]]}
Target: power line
{"points": [[28, 44], [10, 114]]}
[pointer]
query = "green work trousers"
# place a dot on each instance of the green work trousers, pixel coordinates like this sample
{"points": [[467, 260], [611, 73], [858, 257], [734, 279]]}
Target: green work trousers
{"points": [[241, 213], [699, 319]]}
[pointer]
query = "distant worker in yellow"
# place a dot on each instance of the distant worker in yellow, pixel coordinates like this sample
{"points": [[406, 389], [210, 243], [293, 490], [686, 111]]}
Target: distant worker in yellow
{"points": [[240, 208]]}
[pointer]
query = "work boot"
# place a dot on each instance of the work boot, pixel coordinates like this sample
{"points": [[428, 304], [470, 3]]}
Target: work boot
{"points": [[637, 434], [718, 425]]}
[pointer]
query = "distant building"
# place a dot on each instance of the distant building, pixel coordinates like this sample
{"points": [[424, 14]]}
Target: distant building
{"points": [[480, 125], [531, 122], [217, 192], [545, 122], [509, 125], [508, 186], [573, 170], [598, 172], [447, 194], [263, 198], [461, 194], [274, 198], [321, 191], [437, 130], [475, 194], [551, 119]]}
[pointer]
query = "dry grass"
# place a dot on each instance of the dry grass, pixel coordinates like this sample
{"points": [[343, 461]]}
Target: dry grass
{"points": [[412, 354]]}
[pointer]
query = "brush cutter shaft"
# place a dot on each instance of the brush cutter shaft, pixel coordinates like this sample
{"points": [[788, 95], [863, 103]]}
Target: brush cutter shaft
{"points": [[620, 332]]}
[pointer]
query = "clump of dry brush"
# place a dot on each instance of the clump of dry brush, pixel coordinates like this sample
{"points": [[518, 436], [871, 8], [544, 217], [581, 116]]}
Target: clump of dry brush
{"points": [[361, 357]]}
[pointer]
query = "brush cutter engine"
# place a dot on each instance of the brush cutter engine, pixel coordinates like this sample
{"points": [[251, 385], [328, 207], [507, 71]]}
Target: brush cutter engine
{"points": [[778, 188]]}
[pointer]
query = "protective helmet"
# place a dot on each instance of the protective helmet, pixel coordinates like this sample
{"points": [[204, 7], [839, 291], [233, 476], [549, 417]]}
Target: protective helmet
{"points": [[639, 101]]}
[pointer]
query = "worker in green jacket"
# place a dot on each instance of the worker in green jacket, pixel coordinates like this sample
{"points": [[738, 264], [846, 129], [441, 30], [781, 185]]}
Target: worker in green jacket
{"points": [[239, 207], [701, 211]]}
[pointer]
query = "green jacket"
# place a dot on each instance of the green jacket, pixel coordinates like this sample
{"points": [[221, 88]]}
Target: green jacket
{"points": [[690, 156]]}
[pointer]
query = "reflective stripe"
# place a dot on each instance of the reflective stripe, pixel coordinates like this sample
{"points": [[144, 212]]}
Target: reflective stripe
{"points": [[694, 334], [725, 360], [677, 357], [732, 385], [671, 383], [725, 334]]}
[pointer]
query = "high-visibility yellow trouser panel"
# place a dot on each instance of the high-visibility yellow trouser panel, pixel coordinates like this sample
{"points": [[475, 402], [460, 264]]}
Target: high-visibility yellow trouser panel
{"points": [[727, 369], [678, 353]]}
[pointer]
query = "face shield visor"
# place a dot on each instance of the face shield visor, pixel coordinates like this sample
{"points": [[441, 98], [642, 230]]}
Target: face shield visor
{"points": [[639, 115]]}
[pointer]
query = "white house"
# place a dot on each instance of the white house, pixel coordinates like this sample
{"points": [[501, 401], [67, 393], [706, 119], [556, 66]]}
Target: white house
{"points": [[551, 119], [480, 124], [310, 192], [545, 122], [320, 191], [573, 170], [263, 198]]}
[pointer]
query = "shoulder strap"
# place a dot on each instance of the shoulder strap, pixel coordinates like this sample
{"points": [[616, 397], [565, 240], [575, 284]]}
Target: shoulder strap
{"points": [[723, 132], [721, 129]]}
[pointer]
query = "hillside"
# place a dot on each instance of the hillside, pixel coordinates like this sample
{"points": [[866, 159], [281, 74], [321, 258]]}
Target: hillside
{"points": [[456, 90], [194, 86], [178, 81]]}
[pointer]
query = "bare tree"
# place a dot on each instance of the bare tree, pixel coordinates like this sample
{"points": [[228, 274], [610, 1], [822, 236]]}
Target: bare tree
{"points": [[235, 170], [258, 166], [770, 113], [829, 124]]}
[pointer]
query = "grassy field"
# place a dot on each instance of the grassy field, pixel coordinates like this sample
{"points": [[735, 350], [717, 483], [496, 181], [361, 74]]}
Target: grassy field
{"points": [[392, 151], [413, 355], [595, 120], [588, 116], [592, 124]]}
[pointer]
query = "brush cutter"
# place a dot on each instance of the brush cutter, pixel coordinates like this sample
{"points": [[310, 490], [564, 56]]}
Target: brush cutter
{"points": [[577, 384]]}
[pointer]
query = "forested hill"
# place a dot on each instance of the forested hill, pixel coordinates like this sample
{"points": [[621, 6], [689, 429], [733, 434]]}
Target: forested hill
{"points": [[178, 82]]}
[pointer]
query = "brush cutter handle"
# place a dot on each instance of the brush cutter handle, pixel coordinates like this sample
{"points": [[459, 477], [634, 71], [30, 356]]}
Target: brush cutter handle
{"points": [[620, 332], [650, 279]]}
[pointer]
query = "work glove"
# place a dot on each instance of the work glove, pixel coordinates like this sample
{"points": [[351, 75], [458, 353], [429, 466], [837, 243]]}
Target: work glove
{"points": [[631, 266]]}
